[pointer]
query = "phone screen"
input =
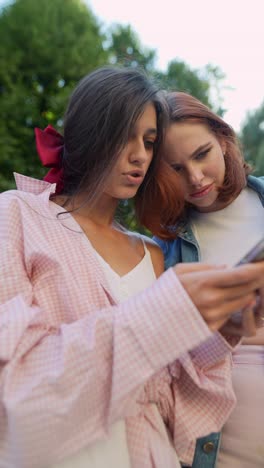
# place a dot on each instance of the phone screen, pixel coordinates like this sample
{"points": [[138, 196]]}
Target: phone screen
{"points": [[256, 254]]}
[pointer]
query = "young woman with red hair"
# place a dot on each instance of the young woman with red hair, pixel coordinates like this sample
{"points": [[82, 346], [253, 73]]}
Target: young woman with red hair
{"points": [[218, 218]]}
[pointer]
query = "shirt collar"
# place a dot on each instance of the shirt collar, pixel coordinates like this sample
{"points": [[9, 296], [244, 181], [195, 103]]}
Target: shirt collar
{"points": [[35, 186], [44, 189]]}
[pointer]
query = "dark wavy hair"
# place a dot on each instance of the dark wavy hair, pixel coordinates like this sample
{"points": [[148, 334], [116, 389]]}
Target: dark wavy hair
{"points": [[100, 117]]}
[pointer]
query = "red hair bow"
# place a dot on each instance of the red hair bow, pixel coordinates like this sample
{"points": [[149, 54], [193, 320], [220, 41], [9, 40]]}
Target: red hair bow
{"points": [[50, 146]]}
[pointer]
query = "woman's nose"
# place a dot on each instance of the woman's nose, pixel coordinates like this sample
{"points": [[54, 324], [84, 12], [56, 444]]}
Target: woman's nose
{"points": [[195, 176], [138, 153]]}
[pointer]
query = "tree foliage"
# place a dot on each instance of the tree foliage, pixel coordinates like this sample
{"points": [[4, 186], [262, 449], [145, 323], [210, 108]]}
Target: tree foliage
{"points": [[198, 82], [252, 137], [181, 77], [46, 46], [126, 49]]}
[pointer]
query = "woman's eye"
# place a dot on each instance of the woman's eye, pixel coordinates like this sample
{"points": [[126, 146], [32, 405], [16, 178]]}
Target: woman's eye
{"points": [[202, 155], [176, 168], [149, 144]]}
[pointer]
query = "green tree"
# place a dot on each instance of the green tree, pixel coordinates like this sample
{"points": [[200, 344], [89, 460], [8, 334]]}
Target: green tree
{"points": [[203, 83], [125, 48], [252, 137], [46, 46]]}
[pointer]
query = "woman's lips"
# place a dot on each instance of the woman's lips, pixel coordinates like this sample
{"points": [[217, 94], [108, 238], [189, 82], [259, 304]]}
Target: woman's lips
{"points": [[134, 179], [201, 193]]}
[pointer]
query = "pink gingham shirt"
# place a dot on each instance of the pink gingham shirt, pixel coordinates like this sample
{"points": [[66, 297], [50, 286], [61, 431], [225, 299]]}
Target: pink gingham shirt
{"points": [[73, 361]]}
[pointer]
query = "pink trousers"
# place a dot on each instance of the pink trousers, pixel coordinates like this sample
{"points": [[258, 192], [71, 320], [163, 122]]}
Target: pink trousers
{"points": [[242, 444]]}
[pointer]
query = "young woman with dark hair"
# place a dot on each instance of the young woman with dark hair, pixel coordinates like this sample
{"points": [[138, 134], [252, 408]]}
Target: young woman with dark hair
{"points": [[102, 364], [221, 220]]}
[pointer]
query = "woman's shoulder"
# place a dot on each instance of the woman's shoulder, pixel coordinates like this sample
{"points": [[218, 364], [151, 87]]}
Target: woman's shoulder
{"points": [[148, 241], [30, 193], [19, 208], [154, 249], [156, 254], [15, 200], [11, 217], [152, 245], [9, 199]]}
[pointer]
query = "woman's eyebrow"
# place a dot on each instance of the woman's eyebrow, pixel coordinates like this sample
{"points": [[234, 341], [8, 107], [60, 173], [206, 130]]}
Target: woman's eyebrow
{"points": [[151, 131], [201, 148]]}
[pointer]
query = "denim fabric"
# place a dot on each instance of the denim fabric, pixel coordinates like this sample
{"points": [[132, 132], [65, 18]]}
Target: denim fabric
{"points": [[206, 451], [186, 249]]}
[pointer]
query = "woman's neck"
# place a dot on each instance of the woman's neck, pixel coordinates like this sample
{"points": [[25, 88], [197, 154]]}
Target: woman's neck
{"points": [[101, 213], [217, 205]]}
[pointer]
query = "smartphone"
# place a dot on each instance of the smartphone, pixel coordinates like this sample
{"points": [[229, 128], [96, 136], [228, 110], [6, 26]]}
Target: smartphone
{"points": [[256, 254]]}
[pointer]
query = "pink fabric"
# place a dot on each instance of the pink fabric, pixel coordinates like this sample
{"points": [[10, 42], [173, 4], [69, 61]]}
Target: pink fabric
{"points": [[242, 443], [72, 362]]}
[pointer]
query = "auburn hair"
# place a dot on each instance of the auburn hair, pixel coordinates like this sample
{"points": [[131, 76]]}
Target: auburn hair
{"points": [[182, 107], [159, 203]]}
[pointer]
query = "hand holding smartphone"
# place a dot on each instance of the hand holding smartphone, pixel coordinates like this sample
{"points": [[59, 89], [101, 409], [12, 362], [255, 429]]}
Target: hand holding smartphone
{"points": [[256, 254]]}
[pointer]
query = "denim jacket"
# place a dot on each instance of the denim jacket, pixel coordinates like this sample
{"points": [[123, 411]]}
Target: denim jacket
{"points": [[186, 249]]}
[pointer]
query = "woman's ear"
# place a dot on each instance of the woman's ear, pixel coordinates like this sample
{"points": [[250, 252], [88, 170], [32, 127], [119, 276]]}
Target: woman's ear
{"points": [[223, 146]]}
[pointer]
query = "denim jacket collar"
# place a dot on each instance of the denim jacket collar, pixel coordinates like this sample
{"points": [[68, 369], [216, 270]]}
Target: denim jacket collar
{"points": [[257, 184]]}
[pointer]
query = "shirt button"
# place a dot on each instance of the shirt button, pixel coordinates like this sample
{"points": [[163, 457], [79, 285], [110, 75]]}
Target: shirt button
{"points": [[209, 447]]}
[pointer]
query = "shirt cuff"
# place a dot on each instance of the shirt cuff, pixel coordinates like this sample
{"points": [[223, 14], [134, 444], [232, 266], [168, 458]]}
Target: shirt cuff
{"points": [[211, 351]]}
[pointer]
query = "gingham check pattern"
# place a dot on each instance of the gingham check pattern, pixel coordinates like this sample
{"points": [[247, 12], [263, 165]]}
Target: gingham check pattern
{"points": [[72, 361]]}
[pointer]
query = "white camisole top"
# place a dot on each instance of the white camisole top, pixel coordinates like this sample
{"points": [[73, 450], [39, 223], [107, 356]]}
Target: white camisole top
{"points": [[112, 452]]}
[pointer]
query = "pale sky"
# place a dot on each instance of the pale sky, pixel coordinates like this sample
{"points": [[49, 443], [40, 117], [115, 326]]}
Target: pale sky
{"points": [[226, 33]]}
